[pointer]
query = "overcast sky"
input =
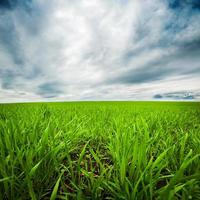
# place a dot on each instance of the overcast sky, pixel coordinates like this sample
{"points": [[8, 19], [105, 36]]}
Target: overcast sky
{"points": [[99, 50]]}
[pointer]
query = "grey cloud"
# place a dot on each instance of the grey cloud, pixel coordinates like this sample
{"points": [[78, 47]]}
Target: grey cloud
{"points": [[181, 4], [5, 4], [12, 4], [49, 89], [143, 74], [180, 95], [157, 96], [190, 48], [33, 73], [9, 40], [8, 78], [20, 24]]}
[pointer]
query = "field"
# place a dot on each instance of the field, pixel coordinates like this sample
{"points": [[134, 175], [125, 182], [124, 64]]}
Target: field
{"points": [[100, 150]]}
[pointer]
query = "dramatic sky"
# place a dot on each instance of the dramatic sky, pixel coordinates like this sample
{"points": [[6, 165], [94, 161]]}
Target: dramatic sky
{"points": [[99, 50]]}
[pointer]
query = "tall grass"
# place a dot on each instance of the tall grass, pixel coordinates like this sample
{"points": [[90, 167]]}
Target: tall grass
{"points": [[100, 150]]}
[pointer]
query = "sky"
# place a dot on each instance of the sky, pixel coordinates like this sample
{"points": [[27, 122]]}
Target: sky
{"points": [[64, 50]]}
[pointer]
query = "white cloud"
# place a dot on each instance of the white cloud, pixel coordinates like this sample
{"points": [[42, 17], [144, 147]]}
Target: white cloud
{"points": [[85, 47]]}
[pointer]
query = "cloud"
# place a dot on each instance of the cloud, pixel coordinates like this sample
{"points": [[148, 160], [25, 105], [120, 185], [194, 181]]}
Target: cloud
{"points": [[157, 96], [179, 4], [98, 49], [5, 4], [49, 90], [180, 95]]}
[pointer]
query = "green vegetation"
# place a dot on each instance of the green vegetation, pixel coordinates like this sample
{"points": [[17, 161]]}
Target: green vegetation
{"points": [[100, 150]]}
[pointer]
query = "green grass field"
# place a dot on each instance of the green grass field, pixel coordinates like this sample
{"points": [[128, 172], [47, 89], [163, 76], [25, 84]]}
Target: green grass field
{"points": [[100, 150]]}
